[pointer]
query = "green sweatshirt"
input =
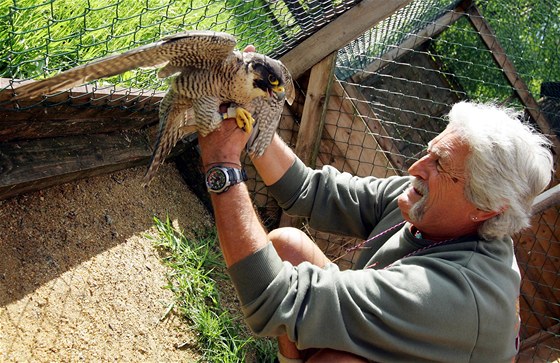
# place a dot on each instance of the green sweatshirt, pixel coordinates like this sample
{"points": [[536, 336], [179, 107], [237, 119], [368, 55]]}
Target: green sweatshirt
{"points": [[454, 302]]}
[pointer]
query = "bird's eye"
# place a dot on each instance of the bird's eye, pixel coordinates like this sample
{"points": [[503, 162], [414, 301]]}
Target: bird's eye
{"points": [[272, 79]]}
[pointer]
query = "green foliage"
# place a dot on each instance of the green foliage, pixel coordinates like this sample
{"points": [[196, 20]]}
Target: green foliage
{"points": [[461, 50], [195, 278], [265, 24], [529, 32], [51, 36]]}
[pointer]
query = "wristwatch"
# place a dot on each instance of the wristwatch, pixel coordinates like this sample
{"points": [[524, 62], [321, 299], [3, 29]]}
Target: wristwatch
{"points": [[220, 178]]}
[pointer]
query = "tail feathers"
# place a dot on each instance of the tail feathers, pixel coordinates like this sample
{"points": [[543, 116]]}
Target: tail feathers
{"points": [[166, 140], [172, 128]]}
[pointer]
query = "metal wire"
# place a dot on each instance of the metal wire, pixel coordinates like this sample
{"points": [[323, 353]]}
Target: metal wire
{"points": [[395, 84]]}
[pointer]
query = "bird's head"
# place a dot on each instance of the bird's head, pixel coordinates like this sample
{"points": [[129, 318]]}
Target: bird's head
{"points": [[271, 77]]}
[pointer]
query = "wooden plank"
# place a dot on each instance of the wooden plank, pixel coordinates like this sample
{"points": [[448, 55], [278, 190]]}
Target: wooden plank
{"points": [[360, 152], [547, 199], [38, 122], [331, 154], [502, 60], [412, 42], [76, 112], [312, 119], [36, 164], [540, 337], [90, 94], [530, 260], [338, 33], [530, 319]]}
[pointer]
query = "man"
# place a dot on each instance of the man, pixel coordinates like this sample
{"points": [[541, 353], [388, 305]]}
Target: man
{"points": [[436, 280]]}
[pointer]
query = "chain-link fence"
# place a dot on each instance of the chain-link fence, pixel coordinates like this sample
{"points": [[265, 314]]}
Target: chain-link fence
{"points": [[391, 89]]}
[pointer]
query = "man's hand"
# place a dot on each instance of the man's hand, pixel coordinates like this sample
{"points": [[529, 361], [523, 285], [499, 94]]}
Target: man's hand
{"points": [[224, 145]]}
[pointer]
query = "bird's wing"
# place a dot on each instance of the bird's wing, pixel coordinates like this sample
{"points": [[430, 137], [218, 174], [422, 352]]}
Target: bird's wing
{"points": [[267, 113], [182, 49]]}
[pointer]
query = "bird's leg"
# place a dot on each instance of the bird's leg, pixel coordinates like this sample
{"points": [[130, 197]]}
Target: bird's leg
{"points": [[244, 119]]}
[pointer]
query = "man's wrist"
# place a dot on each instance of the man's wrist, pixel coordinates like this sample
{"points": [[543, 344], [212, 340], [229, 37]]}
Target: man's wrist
{"points": [[231, 164], [220, 178]]}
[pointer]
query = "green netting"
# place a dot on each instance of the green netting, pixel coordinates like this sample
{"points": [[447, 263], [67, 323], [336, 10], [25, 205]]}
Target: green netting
{"points": [[42, 38], [410, 91], [527, 30]]}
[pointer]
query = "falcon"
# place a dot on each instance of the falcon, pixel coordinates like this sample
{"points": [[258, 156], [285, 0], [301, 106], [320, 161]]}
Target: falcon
{"points": [[208, 72]]}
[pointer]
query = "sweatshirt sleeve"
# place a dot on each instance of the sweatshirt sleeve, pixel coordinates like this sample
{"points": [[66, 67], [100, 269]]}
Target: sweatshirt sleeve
{"points": [[408, 312], [337, 202]]}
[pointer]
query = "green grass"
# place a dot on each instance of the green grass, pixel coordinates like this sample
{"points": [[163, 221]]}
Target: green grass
{"points": [[197, 276]]}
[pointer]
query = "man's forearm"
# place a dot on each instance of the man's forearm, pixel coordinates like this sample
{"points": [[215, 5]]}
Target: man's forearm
{"points": [[275, 161], [239, 229]]}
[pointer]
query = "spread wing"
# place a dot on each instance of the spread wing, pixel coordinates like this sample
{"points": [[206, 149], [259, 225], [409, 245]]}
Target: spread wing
{"points": [[191, 48]]}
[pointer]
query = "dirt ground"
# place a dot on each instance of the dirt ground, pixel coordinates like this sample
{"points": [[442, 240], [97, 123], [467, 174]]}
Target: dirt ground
{"points": [[79, 280]]}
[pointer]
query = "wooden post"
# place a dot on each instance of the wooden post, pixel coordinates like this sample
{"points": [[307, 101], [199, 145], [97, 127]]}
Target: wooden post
{"points": [[312, 120], [314, 110]]}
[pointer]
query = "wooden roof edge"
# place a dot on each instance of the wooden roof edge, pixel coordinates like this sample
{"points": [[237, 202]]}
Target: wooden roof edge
{"points": [[85, 94], [339, 32], [414, 41], [547, 199]]}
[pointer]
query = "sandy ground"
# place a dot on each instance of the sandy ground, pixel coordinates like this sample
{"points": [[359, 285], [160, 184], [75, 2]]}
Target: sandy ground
{"points": [[79, 280]]}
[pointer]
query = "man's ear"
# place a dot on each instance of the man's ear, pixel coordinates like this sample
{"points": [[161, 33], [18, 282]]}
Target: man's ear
{"points": [[482, 215]]}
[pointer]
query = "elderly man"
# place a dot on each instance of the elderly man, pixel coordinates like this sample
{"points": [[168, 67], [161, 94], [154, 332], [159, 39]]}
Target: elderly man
{"points": [[436, 279]]}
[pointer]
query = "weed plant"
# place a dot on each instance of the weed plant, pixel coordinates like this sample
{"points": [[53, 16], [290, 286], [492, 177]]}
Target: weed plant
{"points": [[196, 274]]}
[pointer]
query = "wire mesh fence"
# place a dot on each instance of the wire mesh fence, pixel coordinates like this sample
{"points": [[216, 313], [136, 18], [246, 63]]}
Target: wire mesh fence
{"points": [[393, 86]]}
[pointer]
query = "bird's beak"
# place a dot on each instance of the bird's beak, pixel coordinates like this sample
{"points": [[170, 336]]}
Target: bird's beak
{"points": [[280, 92]]}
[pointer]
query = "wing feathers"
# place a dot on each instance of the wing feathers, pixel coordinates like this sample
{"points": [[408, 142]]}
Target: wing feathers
{"points": [[196, 48]]}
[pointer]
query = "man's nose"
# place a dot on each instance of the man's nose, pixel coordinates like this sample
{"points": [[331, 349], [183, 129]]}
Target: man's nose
{"points": [[420, 168]]}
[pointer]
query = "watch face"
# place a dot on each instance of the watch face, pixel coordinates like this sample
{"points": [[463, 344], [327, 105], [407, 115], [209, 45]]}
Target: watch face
{"points": [[216, 179]]}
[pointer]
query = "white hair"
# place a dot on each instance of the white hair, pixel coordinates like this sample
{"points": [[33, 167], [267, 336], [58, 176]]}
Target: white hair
{"points": [[508, 166]]}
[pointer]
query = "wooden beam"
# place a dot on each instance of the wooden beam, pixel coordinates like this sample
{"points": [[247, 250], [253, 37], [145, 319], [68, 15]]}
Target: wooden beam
{"points": [[314, 109], [412, 42], [338, 33], [91, 95], [547, 199], [540, 337], [81, 110], [36, 164], [66, 120], [502, 60]]}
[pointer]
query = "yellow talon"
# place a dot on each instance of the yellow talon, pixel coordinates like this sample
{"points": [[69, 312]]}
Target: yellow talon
{"points": [[244, 119]]}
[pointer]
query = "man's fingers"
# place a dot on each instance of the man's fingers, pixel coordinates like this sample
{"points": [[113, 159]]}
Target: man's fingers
{"points": [[250, 49]]}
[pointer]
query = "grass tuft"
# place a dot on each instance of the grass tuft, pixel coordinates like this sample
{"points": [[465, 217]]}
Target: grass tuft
{"points": [[196, 277]]}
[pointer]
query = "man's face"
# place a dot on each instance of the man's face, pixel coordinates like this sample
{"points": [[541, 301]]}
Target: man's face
{"points": [[435, 202]]}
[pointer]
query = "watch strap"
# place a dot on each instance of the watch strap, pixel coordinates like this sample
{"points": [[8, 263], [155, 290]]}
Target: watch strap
{"points": [[234, 176]]}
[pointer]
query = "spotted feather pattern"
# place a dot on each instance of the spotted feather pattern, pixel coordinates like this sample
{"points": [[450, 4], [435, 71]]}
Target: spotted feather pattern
{"points": [[208, 72]]}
